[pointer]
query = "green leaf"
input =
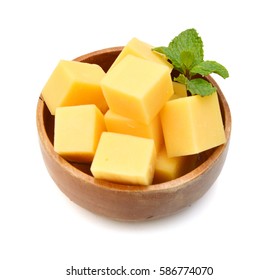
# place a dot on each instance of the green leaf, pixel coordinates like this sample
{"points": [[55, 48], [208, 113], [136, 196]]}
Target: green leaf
{"points": [[196, 86], [200, 86], [162, 50], [181, 79], [187, 41], [187, 59], [186, 54], [207, 67], [171, 55]]}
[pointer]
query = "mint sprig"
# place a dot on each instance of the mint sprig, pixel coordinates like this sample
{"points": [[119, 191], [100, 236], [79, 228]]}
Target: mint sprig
{"points": [[186, 54]]}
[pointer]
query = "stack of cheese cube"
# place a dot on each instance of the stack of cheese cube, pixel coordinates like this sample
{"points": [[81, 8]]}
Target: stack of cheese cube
{"points": [[133, 124]]}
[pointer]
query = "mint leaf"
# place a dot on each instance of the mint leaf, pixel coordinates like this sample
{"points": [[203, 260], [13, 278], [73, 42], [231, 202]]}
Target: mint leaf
{"points": [[200, 86], [172, 56], [181, 79], [162, 50], [187, 59], [186, 54], [207, 67], [187, 41], [196, 86]]}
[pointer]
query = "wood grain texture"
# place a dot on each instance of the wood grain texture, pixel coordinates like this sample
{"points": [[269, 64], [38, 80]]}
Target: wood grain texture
{"points": [[124, 202]]}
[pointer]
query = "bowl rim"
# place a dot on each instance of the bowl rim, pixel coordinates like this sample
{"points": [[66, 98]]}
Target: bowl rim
{"points": [[172, 185]]}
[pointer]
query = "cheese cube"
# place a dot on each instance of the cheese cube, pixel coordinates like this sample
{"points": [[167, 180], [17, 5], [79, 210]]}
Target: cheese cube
{"points": [[143, 50], [192, 124], [74, 83], [179, 90], [170, 168], [124, 159], [117, 123], [77, 131], [137, 88]]}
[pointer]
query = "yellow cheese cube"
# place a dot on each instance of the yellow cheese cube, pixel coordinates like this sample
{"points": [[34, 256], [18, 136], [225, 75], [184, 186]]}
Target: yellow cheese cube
{"points": [[167, 169], [124, 159], [74, 83], [137, 88], [192, 124], [117, 123], [143, 50], [179, 90], [77, 131]]}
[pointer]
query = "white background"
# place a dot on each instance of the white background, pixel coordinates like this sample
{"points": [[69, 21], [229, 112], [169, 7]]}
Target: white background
{"points": [[233, 228]]}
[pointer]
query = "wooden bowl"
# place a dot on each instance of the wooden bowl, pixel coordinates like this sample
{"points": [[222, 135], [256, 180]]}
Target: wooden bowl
{"points": [[123, 202]]}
